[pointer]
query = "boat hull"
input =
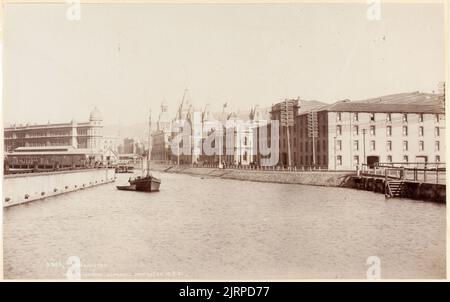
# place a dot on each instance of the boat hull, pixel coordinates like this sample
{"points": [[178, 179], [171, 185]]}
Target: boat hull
{"points": [[147, 184], [126, 188]]}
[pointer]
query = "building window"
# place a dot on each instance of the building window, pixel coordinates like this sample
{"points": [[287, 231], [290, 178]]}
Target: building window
{"points": [[339, 116], [356, 160], [437, 159], [339, 145], [420, 117], [405, 158], [389, 145], [355, 116], [388, 130], [372, 130], [339, 160], [389, 158], [436, 131], [420, 131], [388, 117], [421, 146], [437, 118], [405, 130], [436, 146], [372, 145], [405, 118], [338, 130], [355, 145], [355, 130], [372, 117], [405, 145]]}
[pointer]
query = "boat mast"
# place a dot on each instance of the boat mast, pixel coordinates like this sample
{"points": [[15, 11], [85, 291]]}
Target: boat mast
{"points": [[149, 141]]}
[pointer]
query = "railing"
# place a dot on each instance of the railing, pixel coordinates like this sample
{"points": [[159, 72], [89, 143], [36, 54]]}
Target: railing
{"points": [[28, 168], [419, 172], [260, 168]]}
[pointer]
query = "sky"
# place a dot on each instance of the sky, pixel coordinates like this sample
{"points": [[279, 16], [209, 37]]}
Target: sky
{"points": [[128, 58]]}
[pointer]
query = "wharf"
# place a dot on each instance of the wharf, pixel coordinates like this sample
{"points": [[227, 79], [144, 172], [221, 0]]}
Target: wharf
{"points": [[415, 183]]}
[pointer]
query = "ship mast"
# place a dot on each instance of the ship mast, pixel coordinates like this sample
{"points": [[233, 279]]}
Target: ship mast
{"points": [[149, 141]]}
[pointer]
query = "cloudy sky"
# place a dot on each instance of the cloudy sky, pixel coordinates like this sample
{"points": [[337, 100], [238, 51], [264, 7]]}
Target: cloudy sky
{"points": [[125, 59]]}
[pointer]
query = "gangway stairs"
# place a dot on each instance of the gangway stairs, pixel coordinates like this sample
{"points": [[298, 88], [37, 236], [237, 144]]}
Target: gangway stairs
{"points": [[395, 188]]}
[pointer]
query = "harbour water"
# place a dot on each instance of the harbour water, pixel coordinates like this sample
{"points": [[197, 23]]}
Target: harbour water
{"points": [[207, 228]]}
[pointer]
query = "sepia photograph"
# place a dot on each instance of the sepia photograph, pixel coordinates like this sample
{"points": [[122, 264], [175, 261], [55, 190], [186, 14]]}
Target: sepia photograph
{"points": [[224, 141]]}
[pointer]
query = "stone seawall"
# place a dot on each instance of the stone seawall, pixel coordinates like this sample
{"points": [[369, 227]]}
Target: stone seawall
{"points": [[22, 188], [422, 191], [316, 178]]}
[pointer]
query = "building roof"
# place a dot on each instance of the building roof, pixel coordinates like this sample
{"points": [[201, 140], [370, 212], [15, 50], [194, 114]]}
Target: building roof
{"points": [[306, 106], [413, 102], [95, 115], [36, 126], [303, 105], [278, 106]]}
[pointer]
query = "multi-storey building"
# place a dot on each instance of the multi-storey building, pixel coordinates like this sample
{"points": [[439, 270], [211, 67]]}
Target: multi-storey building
{"points": [[400, 128], [238, 140], [295, 132], [311, 143], [160, 137], [186, 117], [110, 143], [286, 140], [85, 135], [128, 146], [238, 136]]}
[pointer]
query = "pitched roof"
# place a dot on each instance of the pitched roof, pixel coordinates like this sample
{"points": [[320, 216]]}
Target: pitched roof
{"points": [[306, 106], [414, 102]]}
